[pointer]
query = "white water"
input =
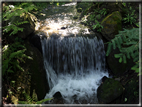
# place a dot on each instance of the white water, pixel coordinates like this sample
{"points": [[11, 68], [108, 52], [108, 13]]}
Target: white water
{"points": [[74, 67]]}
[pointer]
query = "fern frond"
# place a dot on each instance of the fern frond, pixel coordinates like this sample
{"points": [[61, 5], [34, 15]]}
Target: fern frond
{"points": [[109, 49], [114, 45], [124, 59], [118, 55], [118, 43], [128, 55], [135, 67], [19, 67], [120, 59], [127, 42], [120, 39], [17, 54]]}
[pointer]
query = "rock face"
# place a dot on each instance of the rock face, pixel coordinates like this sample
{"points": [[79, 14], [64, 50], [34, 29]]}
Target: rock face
{"points": [[111, 25], [38, 74], [109, 90], [35, 40]]}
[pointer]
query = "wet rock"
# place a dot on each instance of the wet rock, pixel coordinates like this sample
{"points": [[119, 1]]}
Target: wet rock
{"points": [[111, 25], [117, 68], [56, 100], [57, 95], [109, 91], [104, 78]]}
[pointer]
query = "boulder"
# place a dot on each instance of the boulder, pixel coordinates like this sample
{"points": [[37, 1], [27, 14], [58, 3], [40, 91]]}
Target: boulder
{"points": [[28, 27], [32, 78], [38, 73], [111, 25], [109, 90], [118, 69]]}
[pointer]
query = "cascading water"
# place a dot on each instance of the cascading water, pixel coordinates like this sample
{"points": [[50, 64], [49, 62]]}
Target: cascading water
{"points": [[74, 67]]}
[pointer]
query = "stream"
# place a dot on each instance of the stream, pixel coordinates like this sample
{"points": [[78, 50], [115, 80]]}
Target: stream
{"points": [[74, 62]]}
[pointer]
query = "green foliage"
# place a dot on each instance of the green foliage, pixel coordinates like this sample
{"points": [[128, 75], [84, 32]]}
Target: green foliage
{"points": [[93, 18], [33, 99], [12, 55], [103, 11], [127, 42], [18, 10], [97, 26], [130, 17], [124, 4]]}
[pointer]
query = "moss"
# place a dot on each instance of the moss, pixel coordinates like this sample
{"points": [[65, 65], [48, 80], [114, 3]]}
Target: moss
{"points": [[111, 25], [109, 90]]}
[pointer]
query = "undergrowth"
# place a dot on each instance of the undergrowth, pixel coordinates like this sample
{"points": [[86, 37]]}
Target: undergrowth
{"points": [[13, 53]]}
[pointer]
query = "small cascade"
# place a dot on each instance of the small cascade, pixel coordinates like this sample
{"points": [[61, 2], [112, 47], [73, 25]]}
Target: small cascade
{"points": [[74, 67]]}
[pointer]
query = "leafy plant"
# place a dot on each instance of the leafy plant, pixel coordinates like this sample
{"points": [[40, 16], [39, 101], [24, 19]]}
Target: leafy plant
{"points": [[130, 17], [124, 4], [127, 42], [103, 11], [97, 26], [12, 55], [92, 17], [11, 11]]}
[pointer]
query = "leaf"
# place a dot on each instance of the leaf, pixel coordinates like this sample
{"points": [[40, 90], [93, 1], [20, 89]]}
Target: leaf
{"points": [[14, 99], [120, 60], [108, 49], [135, 67], [114, 46], [124, 59], [117, 55], [118, 44], [125, 99], [10, 71], [17, 54], [137, 70], [136, 59]]}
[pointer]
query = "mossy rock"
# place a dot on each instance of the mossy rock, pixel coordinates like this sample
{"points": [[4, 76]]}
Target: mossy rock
{"points": [[111, 25], [109, 91]]}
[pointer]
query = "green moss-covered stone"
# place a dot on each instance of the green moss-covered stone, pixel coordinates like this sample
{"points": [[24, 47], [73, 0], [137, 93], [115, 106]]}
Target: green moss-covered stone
{"points": [[111, 25], [109, 91]]}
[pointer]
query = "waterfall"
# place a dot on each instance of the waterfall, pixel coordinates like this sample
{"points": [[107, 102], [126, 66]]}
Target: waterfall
{"points": [[74, 67]]}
